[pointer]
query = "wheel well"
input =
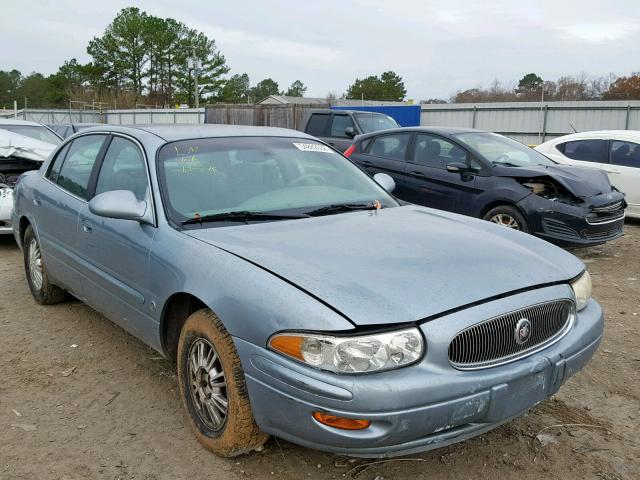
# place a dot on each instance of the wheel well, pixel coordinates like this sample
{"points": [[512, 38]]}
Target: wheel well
{"points": [[499, 203], [22, 227], [176, 311]]}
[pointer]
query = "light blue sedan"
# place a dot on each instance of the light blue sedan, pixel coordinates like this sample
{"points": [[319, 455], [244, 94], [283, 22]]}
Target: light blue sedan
{"points": [[296, 295]]}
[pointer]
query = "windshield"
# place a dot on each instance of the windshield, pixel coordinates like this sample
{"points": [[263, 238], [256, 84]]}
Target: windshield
{"points": [[374, 122], [503, 151], [211, 176], [34, 131]]}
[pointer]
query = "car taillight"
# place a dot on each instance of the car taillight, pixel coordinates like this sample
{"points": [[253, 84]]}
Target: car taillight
{"points": [[349, 151]]}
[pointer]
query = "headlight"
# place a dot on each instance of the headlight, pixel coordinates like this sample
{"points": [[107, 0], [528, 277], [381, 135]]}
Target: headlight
{"points": [[358, 354], [582, 290]]}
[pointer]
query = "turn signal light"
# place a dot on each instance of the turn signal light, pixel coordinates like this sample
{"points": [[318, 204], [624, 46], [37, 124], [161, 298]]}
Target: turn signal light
{"points": [[340, 422]]}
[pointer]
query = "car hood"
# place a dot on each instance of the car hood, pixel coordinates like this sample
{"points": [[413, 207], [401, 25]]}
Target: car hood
{"points": [[399, 264], [16, 145], [583, 182]]}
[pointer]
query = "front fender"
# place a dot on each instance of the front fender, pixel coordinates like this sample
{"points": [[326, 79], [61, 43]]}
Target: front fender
{"points": [[251, 302]]}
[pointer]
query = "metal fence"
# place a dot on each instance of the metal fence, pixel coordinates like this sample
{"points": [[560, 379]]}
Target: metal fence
{"points": [[285, 116], [535, 122], [55, 117], [146, 116], [114, 117]]}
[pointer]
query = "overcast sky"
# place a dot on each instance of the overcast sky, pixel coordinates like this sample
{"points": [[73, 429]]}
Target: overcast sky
{"points": [[437, 46]]}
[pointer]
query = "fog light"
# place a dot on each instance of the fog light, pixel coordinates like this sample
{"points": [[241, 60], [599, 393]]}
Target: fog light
{"points": [[340, 422]]}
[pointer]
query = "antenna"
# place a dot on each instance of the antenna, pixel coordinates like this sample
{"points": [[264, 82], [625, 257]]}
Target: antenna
{"points": [[573, 128]]}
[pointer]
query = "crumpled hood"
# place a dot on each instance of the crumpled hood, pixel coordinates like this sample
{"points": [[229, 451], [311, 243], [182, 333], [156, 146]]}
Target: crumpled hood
{"points": [[583, 182], [16, 145], [398, 264]]}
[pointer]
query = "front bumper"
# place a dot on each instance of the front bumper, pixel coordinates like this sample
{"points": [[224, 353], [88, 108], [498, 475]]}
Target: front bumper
{"points": [[6, 209], [567, 225], [423, 406]]}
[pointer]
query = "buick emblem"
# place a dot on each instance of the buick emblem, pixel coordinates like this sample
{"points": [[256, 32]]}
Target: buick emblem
{"points": [[522, 332]]}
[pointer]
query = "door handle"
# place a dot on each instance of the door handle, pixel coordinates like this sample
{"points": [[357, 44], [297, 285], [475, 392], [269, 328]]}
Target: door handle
{"points": [[366, 162], [417, 174], [37, 202], [86, 228], [613, 171]]}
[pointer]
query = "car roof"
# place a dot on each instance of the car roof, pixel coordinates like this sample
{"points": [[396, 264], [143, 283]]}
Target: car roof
{"points": [[328, 111], [597, 134], [436, 130], [15, 121], [173, 132]]}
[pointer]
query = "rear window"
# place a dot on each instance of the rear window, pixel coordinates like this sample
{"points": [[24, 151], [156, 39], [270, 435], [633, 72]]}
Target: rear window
{"points": [[39, 132], [586, 150], [317, 125]]}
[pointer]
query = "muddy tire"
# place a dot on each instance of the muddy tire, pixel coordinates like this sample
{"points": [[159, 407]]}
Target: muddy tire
{"points": [[43, 291], [213, 388], [507, 216]]}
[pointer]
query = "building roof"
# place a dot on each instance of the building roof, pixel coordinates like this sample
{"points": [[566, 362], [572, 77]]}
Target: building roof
{"points": [[339, 102], [284, 99]]}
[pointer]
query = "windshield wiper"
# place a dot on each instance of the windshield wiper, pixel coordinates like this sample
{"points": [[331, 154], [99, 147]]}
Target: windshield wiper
{"points": [[344, 207], [240, 216]]}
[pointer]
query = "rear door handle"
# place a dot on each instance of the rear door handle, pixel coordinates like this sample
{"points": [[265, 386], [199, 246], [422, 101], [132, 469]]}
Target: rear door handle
{"points": [[613, 171], [86, 228], [417, 174], [37, 202]]}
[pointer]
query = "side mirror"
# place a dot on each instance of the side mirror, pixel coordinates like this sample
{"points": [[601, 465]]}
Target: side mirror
{"points": [[458, 167], [121, 204], [385, 181], [350, 132]]}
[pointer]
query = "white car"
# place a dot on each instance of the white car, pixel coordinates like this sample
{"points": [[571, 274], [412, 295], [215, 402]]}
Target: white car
{"points": [[18, 154], [615, 151]]}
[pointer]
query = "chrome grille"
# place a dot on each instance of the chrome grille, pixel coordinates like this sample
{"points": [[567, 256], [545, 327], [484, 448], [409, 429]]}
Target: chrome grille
{"points": [[608, 208], [493, 341], [606, 214]]}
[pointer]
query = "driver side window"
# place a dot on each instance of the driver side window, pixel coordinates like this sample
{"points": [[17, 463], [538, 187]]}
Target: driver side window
{"points": [[123, 168], [339, 124]]}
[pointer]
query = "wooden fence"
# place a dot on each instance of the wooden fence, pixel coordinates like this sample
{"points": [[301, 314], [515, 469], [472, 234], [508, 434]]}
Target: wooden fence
{"points": [[285, 116]]}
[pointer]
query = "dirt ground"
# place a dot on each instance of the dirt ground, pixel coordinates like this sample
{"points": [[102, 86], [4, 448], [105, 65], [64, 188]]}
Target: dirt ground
{"points": [[80, 398]]}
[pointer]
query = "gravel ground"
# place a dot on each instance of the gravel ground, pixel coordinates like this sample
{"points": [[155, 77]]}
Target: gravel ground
{"points": [[80, 398]]}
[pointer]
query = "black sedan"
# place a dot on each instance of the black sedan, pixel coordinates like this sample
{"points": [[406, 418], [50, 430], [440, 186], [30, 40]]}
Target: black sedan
{"points": [[490, 176]]}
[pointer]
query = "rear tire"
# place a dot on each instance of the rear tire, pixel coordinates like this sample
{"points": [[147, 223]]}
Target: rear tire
{"points": [[43, 291], [210, 375], [507, 216]]}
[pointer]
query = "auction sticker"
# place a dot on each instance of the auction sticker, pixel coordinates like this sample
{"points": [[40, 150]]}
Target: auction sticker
{"points": [[313, 147]]}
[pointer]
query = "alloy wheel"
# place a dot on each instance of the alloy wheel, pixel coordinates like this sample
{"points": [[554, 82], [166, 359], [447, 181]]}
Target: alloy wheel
{"points": [[35, 264], [506, 221], [208, 385]]}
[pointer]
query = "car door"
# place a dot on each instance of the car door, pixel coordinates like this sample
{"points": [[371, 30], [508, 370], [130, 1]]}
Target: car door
{"points": [[387, 153], [624, 171], [57, 205], [338, 137], [116, 251], [432, 184]]}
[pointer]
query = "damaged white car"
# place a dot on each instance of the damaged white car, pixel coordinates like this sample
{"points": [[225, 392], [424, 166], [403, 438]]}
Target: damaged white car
{"points": [[18, 154]]}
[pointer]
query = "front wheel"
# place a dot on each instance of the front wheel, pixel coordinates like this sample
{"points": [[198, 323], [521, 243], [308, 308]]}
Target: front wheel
{"points": [[213, 388], [43, 291], [507, 216]]}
